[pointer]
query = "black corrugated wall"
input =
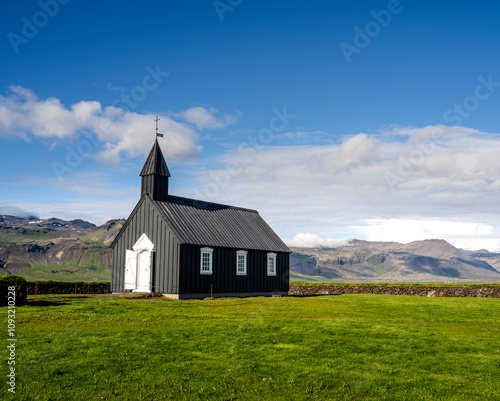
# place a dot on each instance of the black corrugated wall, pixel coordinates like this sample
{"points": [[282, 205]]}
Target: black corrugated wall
{"points": [[224, 277], [147, 220]]}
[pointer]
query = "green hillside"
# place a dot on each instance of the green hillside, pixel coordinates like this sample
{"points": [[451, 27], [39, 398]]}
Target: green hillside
{"points": [[55, 249]]}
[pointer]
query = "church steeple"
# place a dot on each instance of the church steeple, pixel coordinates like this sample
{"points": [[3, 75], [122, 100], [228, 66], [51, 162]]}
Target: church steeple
{"points": [[155, 174]]}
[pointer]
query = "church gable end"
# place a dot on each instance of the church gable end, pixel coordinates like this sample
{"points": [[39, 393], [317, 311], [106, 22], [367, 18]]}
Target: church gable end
{"points": [[148, 223]]}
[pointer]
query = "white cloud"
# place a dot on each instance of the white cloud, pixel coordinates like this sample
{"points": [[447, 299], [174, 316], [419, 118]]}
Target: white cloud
{"points": [[356, 151], [91, 195], [207, 118], [307, 240], [120, 133], [464, 235], [16, 211], [404, 184], [330, 190]]}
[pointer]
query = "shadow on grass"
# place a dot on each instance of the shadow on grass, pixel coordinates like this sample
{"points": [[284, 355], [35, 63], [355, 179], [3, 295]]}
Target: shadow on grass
{"points": [[46, 303], [51, 301]]}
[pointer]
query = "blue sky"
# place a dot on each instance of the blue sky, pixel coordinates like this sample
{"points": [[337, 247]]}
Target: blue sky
{"points": [[335, 119]]}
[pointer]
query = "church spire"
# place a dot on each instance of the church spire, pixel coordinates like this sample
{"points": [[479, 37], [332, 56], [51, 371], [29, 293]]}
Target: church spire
{"points": [[155, 172], [155, 163]]}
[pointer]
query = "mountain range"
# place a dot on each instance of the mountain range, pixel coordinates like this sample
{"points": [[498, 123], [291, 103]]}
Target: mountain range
{"points": [[56, 249], [420, 261]]}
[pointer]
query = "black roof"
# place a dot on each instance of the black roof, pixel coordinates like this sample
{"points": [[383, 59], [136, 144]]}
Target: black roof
{"points": [[212, 224], [155, 163], [203, 223]]}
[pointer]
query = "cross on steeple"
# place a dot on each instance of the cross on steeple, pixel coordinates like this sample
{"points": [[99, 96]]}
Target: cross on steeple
{"points": [[157, 133]]}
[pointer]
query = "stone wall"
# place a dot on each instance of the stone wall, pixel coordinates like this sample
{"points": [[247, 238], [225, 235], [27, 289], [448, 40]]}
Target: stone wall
{"points": [[67, 288], [488, 291]]}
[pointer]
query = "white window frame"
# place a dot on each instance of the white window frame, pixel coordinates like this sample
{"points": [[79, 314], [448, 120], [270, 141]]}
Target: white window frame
{"points": [[244, 254], [271, 256], [208, 251]]}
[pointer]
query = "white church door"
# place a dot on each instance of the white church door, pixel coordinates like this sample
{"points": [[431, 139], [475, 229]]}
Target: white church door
{"points": [[144, 271], [130, 269], [139, 265]]}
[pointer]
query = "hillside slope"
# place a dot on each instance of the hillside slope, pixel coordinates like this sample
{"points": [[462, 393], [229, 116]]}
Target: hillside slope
{"points": [[419, 261], [54, 249]]}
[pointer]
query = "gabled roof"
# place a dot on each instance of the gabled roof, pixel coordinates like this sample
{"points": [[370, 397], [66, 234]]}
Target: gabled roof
{"points": [[155, 163], [211, 224]]}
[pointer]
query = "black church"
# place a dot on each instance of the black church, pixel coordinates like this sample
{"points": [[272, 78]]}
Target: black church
{"points": [[188, 248]]}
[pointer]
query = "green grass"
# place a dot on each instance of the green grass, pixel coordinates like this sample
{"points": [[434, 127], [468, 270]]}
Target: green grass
{"points": [[304, 278], [71, 270], [33, 234], [68, 271], [348, 347]]}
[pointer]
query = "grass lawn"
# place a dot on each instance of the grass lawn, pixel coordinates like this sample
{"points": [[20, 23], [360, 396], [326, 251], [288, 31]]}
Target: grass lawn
{"points": [[70, 272], [348, 347]]}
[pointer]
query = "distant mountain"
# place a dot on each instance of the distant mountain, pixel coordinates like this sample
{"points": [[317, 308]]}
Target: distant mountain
{"points": [[55, 249], [419, 261], [15, 221]]}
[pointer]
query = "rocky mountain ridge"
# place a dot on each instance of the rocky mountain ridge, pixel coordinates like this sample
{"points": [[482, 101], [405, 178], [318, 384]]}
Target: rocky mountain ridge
{"points": [[56, 249], [419, 261], [14, 221]]}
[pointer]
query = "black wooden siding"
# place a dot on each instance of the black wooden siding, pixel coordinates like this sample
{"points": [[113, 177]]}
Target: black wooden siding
{"points": [[156, 186], [224, 278], [146, 219]]}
